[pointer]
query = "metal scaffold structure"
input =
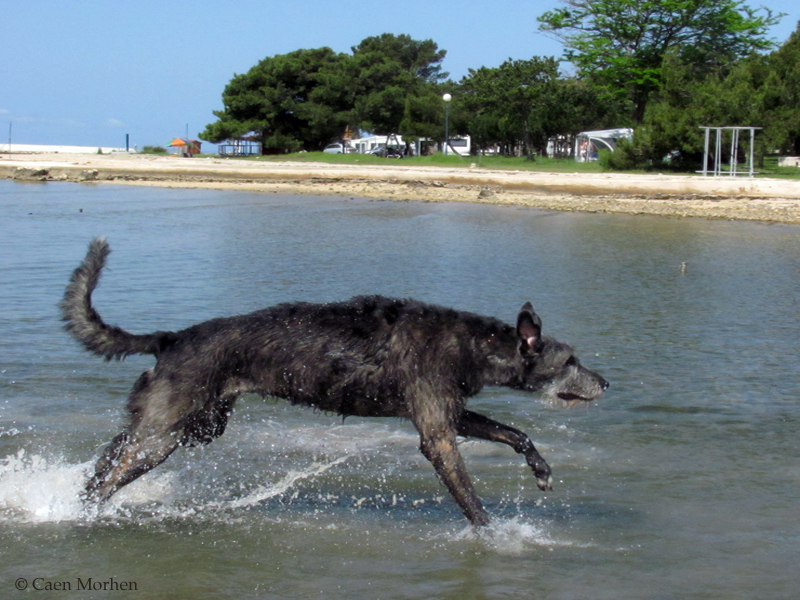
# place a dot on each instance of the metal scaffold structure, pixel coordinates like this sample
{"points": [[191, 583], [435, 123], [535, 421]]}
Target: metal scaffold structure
{"points": [[733, 169]]}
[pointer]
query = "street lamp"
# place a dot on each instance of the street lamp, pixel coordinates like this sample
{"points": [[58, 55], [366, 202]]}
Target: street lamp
{"points": [[446, 98]]}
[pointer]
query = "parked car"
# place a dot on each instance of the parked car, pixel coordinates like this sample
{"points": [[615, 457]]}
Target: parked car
{"points": [[338, 148], [390, 152]]}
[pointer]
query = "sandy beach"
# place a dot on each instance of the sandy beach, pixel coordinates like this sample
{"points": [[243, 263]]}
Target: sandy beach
{"points": [[739, 198]]}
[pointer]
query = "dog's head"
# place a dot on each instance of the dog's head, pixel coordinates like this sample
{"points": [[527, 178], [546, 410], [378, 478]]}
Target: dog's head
{"points": [[550, 366]]}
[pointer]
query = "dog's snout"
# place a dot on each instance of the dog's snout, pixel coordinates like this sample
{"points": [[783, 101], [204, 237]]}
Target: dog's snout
{"points": [[604, 385]]}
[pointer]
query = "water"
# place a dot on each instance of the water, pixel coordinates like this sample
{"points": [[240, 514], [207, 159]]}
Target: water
{"points": [[681, 482]]}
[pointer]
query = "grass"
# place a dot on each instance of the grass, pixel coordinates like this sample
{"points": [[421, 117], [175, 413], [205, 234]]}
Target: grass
{"points": [[549, 165], [565, 165], [771, 169]]}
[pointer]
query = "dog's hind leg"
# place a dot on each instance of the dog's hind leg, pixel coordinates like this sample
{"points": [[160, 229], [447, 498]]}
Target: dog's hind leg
{"points": [[128, 457], [157, 427], [476, 425]]}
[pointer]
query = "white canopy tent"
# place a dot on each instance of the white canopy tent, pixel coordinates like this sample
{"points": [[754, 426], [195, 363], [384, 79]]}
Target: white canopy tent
{"points": [[587, 143]]}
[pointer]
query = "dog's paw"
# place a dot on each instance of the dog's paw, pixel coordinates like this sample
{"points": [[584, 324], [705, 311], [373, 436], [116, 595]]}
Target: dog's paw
{"points": [[541, 470], [545, 483]]}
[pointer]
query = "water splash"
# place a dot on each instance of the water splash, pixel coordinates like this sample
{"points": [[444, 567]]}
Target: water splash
{"points": [[266, 492], [511, 536], [35, 489]]}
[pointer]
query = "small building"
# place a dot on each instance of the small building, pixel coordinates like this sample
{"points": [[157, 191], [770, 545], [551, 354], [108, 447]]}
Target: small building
{"points": [[246, 145]]}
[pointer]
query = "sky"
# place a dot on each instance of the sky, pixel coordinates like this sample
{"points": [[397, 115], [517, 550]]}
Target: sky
{"points": [[90, 72]]}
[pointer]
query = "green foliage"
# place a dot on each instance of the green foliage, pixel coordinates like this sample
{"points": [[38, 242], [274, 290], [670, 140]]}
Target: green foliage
{"points": [[621, 44], [669, 66], [420, 60], [528, 100], [783, 101], [579, 106], [511, 101], [626, 157], [395, 83], [154, 150], [759, 91], [276, 100], [424, 115], [307, 98]]}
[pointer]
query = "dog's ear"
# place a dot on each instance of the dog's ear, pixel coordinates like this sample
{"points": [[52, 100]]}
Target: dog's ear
{"points": [[529, 330]]}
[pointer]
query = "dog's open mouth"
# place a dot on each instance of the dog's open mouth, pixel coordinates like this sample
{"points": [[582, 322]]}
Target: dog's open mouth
{"points": [[571, 400], [568, 396]]}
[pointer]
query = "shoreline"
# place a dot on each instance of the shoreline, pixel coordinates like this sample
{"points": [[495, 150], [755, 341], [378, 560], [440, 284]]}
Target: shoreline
{"points": [[757, 199]]}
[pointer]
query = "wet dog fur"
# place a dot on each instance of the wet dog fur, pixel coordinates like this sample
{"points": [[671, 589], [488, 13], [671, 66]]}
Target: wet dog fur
{"points": [[369, 356]]}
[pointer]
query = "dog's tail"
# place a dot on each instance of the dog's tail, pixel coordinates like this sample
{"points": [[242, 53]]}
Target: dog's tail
{"points": [[86, 326]]}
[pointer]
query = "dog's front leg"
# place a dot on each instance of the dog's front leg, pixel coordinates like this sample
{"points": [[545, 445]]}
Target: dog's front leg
{"points": [[476, 425], [434, 421], [441, 450]]}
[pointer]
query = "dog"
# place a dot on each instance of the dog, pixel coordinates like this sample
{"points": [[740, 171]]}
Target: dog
{"points": [[370, 356]]}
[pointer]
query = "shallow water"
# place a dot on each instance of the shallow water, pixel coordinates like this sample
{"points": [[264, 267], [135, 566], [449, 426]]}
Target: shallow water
{"points": [[681, 482]]}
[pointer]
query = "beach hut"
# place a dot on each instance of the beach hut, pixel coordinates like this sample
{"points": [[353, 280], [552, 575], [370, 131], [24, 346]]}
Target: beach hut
{"points": [[185, 147]]}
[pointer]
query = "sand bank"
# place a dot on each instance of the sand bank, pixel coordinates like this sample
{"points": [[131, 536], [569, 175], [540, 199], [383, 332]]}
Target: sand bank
{"points": [[757, 199]]}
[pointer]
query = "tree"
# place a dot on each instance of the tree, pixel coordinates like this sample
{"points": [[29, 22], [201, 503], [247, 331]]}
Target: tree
{"points": [[393, 70], [578, 106], [420, 59], [277, 100], [786, 109], [307, 98], [510, 102], [527, 101], [760, 90], [621, 44], [423, 115]]}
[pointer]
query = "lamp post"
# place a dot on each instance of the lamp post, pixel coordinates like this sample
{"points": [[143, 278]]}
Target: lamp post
{"points": [[446, 98]]}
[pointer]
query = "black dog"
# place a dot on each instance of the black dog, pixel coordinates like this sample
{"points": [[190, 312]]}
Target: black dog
{"points": [[371, 356]]}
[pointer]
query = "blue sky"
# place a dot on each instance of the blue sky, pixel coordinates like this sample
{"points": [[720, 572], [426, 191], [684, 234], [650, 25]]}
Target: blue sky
{"points": [[89, 72]]}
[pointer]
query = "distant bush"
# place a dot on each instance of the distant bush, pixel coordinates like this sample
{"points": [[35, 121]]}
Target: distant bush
{"points": [[154, 150], [626, 157]]}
